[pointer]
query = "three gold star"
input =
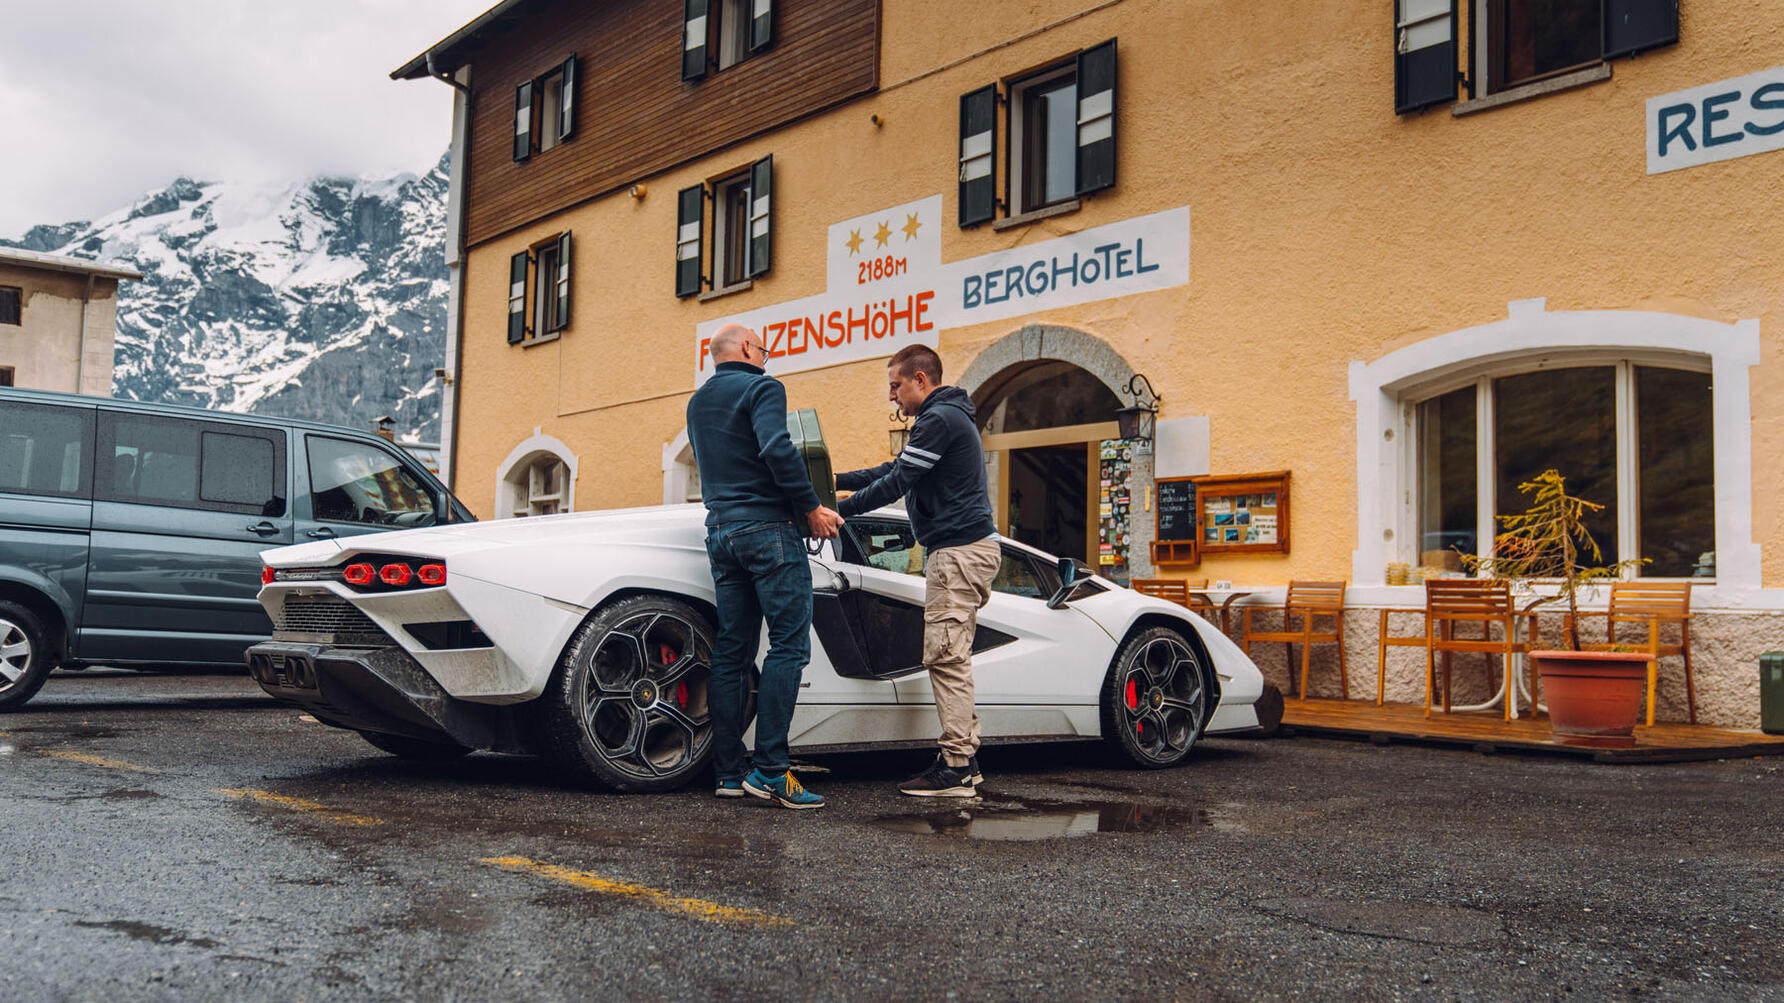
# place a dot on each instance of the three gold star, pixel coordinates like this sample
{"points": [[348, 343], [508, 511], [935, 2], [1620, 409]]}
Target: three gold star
{"points": [[854, 242], [910, 227]]}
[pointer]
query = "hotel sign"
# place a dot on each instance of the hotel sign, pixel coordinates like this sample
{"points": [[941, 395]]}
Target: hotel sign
{"points": [[888, 287], [1717, 121]]}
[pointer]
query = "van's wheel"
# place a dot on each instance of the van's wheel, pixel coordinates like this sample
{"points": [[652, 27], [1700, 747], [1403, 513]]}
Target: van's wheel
{"points": [[416, 750], [1155, 699], [25, 655], [627, 707]]}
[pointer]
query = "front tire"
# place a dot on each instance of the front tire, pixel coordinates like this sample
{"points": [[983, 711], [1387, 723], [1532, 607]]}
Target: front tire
{"points": [[627, 708], [25, 655], [1156, 699], [416, 750]]}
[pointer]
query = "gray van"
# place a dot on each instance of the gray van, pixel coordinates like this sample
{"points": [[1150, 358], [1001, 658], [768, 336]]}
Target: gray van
{"points": [[130, 533]]}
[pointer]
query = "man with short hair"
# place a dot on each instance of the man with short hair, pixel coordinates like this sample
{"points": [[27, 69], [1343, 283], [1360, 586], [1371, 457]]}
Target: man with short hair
{"points": [[941, 474], [760, 505]]}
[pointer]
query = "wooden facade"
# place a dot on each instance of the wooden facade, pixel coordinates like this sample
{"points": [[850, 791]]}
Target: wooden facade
{"points": [[635, 116]]}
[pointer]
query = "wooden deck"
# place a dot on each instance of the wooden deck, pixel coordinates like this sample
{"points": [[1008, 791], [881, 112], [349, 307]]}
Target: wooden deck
{"points": [[1486, 732]]}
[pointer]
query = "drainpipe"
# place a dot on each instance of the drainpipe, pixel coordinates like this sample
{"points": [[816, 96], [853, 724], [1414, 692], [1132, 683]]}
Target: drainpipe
{"points": [[455, 228], [80, 361]]}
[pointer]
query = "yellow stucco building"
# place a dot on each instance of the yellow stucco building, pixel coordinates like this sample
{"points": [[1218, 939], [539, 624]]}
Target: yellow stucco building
{"points": [[58, 321], [1390, 258]]}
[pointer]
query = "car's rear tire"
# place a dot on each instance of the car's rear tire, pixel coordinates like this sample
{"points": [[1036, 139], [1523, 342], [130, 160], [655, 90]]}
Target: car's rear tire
{"points": [[627, 708], [1156, 700], [416, 750], [25, 655]]}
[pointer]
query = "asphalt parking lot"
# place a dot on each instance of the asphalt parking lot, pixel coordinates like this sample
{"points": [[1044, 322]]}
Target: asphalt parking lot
{"points": [[180, 837]]}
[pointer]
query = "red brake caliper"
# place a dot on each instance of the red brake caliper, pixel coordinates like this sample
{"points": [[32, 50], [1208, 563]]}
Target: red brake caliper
{"points": [[1133, 703], [667, 655]]}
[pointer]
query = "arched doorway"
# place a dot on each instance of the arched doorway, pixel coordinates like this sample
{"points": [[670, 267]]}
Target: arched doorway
{"points": [[1061, 473]]}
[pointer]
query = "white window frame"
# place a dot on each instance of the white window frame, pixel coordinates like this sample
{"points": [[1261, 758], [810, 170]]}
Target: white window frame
{"points": [[551, 110], [515, 477], [725, 190], [1385, 389]]}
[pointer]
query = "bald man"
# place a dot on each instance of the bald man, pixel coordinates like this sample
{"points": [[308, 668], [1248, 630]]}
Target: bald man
{"points": [[760, 505]]}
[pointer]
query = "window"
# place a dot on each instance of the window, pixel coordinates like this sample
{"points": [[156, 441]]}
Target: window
{"points": [[544, 488], [742, 230], [719, 34], [12, 300], [545, 110], [1061, 125], [1634, 438], [43, 449], [358, 483], [539, 291], [1516, 42], [5, 376], [192, 464]]}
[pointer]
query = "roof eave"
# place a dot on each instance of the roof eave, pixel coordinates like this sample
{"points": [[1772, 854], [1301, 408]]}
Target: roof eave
{"points": [[446, 53]]}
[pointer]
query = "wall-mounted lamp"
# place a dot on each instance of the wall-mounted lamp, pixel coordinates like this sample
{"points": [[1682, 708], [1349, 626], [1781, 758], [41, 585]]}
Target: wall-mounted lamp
{"points": [[636, 191], [1137, 420], [899, 435], [877, 119]]}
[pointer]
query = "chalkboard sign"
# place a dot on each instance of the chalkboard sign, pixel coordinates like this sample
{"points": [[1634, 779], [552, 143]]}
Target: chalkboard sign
{"points": [[1176, 510]]}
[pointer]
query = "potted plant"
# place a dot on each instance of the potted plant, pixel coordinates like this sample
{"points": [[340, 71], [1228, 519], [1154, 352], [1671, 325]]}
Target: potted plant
{"points": [[1594, 697]]}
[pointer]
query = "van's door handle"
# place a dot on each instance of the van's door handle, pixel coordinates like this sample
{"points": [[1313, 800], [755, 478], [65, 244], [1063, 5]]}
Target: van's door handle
{"points": [[321, 533], [263, 528]]}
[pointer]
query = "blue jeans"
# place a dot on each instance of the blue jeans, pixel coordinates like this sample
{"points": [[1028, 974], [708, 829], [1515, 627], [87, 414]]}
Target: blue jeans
{"points": [[760, 572]]}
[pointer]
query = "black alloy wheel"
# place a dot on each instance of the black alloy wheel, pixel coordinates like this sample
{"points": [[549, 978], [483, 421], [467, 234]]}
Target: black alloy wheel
{"points": [[627, 708], [25, 655], [1156, 698]]}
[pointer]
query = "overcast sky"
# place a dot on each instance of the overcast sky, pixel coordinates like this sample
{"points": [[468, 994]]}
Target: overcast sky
{"points": [[104, 100]]}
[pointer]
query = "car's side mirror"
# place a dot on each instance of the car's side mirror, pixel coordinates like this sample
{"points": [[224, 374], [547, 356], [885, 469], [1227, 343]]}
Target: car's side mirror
{"points": [[1066, 594]]}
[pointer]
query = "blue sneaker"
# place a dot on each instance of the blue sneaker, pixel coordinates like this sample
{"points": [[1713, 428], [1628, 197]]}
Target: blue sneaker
{"points": [[783, 790], [728, 789]]}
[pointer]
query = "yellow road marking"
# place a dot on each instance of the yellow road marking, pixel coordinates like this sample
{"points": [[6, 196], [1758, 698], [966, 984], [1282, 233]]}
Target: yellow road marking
{"points": [[712, 912], [92, 760], [321, 811]]}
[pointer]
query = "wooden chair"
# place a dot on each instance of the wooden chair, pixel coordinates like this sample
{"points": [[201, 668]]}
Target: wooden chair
{"points": [[1384, 641], [1306, 600], [1174, 590], [1654, 604], [1453, 601]]}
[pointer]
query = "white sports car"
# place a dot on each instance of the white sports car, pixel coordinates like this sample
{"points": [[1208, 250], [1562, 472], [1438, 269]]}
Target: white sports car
{"points": [[587, 638]]}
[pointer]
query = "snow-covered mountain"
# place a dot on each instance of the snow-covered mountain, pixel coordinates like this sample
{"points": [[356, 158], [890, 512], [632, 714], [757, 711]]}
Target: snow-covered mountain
{"points": [[324, 299]]}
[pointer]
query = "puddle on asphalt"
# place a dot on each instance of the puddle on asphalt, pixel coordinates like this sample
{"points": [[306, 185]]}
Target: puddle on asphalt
{"points": [[995, 817], [146, 931]]}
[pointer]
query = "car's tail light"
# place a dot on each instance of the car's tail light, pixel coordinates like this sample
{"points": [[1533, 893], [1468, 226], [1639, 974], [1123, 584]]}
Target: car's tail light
{"points": [[395, 574], [358, 574], [431, 574], [266, 576]]}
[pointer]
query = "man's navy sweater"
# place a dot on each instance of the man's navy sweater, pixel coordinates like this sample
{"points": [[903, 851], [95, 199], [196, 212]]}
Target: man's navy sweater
{"points": [[749, 470], [941, 473]]}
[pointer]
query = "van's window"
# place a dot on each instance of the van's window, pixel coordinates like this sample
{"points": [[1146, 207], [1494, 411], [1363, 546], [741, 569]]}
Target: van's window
{"points": [[43, 449], [192, 464], [237, 469], [359, 483]]}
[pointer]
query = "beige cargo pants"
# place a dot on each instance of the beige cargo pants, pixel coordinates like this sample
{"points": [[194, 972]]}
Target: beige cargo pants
{"points": [[957, 581]]}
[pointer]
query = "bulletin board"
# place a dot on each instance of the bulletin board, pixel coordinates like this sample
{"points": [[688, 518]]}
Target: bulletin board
{"points": [[1242, 513]]}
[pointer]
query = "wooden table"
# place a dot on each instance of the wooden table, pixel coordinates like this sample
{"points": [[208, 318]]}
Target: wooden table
{"points": [[1223, 599]]}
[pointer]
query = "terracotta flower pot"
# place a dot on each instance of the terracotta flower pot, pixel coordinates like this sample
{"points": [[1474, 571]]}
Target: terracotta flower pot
{"points": [[1594, 697]]}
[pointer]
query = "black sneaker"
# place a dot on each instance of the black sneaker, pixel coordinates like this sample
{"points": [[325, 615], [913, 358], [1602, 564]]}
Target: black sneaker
{"points": [[940, 781], [975, 776]]}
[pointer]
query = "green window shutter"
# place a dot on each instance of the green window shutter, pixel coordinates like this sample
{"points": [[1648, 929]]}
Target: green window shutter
{"points": [[761, 202], [1631, 26], [517, 298], [690, 221], [1424, 54], [761, 25], [566, 123], [523, 121], [1096, 118], [978, 142], [694, 37]]}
